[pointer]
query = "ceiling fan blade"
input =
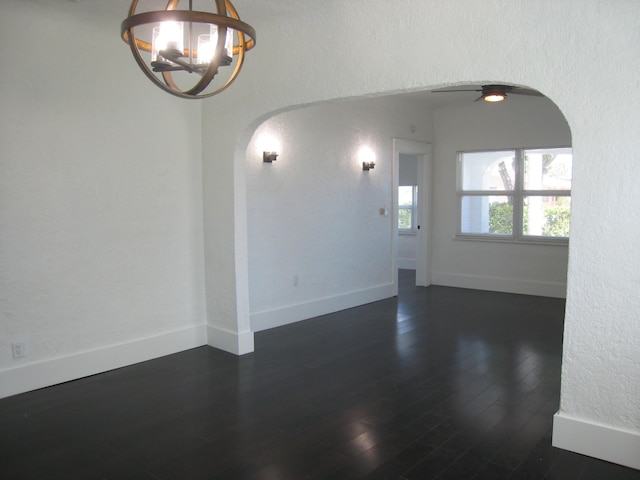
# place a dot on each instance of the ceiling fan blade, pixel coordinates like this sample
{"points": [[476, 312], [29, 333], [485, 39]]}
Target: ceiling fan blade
{"points": [[490, 90], [452, 91], [525, 91]]}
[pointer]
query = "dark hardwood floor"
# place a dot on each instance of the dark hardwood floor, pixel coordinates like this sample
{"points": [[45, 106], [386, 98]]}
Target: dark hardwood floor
{"points": [[439, 383]]}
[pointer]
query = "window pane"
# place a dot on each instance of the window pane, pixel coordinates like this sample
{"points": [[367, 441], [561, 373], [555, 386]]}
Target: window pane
{"points": [[407, 199], [405, 195], [547, 216], [548, 169], [482, 214], [488, 170], [404, 218]]}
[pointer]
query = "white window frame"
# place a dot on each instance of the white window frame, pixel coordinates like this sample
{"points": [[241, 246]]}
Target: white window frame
{"points": [[518, 194], [414, 213]]}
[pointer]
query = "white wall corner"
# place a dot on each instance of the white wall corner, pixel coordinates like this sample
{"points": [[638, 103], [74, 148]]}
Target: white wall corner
{"points": [[72, 367], [232, 342], [595, 440]]}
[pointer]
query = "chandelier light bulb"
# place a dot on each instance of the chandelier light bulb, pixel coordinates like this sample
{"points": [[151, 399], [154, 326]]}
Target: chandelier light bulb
{"points": [[171, 36], [167, 36], [206, 49]]}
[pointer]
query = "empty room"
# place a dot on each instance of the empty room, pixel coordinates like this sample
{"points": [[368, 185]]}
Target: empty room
{"points": [[218, 287]]}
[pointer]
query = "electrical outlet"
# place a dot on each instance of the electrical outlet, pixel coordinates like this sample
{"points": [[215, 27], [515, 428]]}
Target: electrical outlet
{"points": [[18, 349]]}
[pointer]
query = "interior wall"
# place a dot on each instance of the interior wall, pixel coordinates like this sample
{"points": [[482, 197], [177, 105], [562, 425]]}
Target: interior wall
{"points": [[317, 241], [100, 202], [520, 121]]}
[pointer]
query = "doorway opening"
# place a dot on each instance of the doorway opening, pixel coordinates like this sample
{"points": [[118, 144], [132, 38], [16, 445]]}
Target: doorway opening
{"points": [[412, 172]]}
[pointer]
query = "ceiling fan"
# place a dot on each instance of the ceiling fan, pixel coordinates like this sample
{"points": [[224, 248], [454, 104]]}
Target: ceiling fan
{"points": [[495, 93]]}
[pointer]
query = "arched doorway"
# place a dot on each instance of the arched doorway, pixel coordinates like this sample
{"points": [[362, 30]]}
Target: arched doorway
{"points": [[320, 235]]}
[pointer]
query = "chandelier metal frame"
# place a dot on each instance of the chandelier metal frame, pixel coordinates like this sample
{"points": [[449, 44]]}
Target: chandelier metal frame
{"points": [[226, 17]]}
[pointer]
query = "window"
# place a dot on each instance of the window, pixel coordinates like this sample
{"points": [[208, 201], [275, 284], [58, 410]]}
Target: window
{"points": [[519, 195], [407, 208]]}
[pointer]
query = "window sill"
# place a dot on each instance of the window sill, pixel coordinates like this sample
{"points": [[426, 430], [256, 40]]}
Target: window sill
{"points": [[557, 242]]}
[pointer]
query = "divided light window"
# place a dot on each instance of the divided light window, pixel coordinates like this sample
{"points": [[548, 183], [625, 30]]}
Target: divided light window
{"points": [[519, 195], [407, 208]]}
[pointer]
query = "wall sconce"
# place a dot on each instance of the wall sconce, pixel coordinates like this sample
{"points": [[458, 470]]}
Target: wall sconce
{"points": [[367, 157], [269, 157], [269, 146]]}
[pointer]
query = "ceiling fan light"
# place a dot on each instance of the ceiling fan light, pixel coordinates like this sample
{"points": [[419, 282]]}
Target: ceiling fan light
{"points": [[494, 93], [494, 97]]}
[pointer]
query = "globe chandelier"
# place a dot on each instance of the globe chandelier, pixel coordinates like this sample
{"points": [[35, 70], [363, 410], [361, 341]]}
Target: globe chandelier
{"points": [[186, 51]]}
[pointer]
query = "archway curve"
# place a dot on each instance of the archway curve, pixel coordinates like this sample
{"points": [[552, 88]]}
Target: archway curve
{"points": [[251, 162], [247, 132]]}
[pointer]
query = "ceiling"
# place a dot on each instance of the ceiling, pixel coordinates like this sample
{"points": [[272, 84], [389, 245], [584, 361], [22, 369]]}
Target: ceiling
{"points": [[263, 9], [258, 8]]}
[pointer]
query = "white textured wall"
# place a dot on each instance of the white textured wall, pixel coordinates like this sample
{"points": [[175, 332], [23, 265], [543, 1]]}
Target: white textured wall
{"points": [[521, 121], [568, 49], [314, 212], [100, 194]]}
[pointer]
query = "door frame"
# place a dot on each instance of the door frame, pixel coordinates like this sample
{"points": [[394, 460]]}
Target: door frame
{"points": [[423, 264]]}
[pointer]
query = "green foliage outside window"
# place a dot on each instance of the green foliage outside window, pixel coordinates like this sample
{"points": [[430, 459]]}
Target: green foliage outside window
{"points": [[557, 219], [404, 218], [501, 218]]}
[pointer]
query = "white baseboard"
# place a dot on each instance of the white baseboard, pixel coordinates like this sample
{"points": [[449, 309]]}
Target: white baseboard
{"points": [[500, 284], [236, 343], [303, 311], [51, 372], [407, 263], [595, 440]]}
